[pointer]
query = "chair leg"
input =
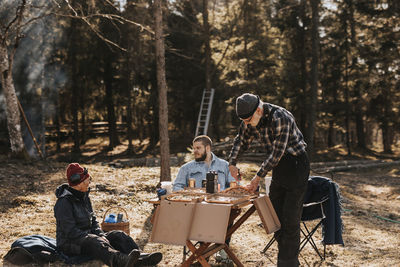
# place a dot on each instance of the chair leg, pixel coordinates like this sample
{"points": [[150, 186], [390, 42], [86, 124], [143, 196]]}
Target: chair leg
{"points": [[308, 238], [271, 241]]}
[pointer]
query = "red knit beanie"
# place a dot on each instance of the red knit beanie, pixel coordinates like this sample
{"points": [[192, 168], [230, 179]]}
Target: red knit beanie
{"points": [[73, 169]]}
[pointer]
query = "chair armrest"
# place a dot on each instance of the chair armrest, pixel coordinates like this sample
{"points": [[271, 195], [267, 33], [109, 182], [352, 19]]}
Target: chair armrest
{"points": [[315, 203]]}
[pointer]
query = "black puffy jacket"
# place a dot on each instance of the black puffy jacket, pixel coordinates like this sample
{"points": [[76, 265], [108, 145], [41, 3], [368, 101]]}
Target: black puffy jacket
{"points": [[75, 218]]}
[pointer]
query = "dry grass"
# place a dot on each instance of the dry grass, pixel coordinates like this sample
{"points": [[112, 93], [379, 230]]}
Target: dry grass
{"points": [[27, 199]]}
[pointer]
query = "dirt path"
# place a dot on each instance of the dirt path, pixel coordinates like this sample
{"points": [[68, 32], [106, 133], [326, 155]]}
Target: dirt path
{"points": [[371, 202]]}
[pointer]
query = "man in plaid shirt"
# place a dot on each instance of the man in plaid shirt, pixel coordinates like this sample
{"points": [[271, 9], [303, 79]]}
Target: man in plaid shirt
{"points": [[275, 128]]}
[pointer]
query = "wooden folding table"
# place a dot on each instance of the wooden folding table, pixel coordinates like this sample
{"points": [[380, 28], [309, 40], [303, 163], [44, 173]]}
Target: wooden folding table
{"points": [[206, 248]]}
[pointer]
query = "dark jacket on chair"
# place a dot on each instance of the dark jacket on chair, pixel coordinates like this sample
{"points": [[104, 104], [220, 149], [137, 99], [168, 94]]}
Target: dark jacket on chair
{"points": [[318, 189]]}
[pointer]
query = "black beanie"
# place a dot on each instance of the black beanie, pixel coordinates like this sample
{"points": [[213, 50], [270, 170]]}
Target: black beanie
{"points": [[246, 105]]}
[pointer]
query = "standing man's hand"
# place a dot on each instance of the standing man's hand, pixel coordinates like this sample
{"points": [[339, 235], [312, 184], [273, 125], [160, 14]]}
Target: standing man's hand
{"points": [[234, 171], [254, 183]]}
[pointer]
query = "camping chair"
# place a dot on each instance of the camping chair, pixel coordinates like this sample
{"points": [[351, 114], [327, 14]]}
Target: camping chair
{"points": [[306, 217], [312, 211]]}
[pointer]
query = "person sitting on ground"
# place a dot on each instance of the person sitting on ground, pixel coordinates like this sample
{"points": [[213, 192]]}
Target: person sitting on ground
{"points": [[78, 231], [204, 161]]}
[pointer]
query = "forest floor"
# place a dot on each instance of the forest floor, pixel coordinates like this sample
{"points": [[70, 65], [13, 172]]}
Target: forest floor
{"points": [[371, 212]]}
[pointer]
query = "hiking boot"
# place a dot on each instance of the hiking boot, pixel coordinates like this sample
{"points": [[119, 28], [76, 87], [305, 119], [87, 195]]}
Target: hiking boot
{"points": [[149, 259], [132, 258], [123, 260]]}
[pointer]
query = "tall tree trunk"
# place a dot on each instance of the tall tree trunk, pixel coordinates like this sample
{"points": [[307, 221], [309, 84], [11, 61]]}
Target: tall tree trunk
{"points": [[314, 72], [18, 149], [129, 119], [43, 102], [303, 70], [386, 135], [58, 126], [12, 112], [82, 107], [112, 127], [83, 125], [357, 96], [73, 63], [207, 48], [165, 172], [75, 107], [359, 119], [153, 128], [331, 134], [346, 87], [246, 37], [347, 103], [387, 118]]}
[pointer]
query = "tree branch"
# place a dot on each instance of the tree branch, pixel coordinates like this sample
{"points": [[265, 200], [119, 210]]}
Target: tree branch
{"points": [[7, 28], [121, 20], [229, 39], [36, 18], [113, 17], [175, 52], [111, 4]]}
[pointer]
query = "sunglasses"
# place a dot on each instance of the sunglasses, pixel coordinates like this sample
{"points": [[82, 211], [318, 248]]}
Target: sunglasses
{"points": [[76, 177]]}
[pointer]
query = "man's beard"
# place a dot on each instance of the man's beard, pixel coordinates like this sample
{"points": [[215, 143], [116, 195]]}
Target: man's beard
{"points": [[202, 157]]}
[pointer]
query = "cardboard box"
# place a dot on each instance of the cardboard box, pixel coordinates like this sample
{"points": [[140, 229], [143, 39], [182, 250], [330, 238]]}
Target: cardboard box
{"points": [[267, 214]]}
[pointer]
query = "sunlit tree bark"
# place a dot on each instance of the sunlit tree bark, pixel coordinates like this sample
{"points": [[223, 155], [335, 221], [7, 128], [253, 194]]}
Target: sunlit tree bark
{"points": [[165, 172], [6, 62]]}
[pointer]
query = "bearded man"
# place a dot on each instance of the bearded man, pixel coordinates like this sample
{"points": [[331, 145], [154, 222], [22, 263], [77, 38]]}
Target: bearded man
{"points": [[204, 161]]}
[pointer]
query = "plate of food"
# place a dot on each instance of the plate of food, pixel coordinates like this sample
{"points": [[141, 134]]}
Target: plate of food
{"points": [[191, 190], [226, 199], [184, 196], [237, 191]]}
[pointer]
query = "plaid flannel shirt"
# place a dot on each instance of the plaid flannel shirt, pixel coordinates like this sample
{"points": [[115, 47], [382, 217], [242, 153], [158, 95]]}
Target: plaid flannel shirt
{"points": [[282, 136]]}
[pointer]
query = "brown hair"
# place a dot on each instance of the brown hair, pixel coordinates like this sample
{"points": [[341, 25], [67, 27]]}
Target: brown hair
{"points": [[204, 139]]}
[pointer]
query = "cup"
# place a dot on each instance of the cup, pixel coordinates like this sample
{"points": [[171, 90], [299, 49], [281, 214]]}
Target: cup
{"points": [[192, 182], [268, 181], [167, 185]]}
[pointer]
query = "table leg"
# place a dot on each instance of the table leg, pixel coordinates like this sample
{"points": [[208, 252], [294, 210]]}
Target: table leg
{"points": [[205, 250], [233, 256], [240, 221], [234, 214], [212, 250], [196, 254]]}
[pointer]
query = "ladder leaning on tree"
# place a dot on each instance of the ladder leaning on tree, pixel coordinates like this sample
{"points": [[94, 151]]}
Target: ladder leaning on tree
{"points": [[205, 112]]}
